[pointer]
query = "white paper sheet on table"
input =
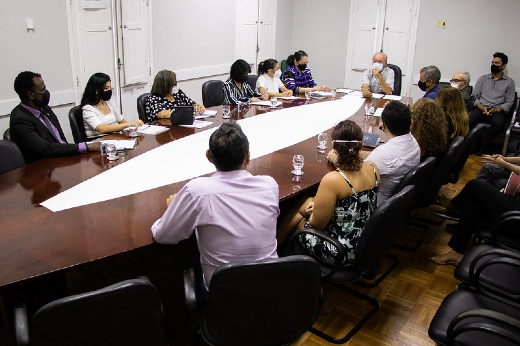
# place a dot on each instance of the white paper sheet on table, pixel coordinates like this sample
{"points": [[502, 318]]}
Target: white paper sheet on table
{"points": [[378, 112], [377, 96], [265, 103], [198, 124], [288, 97], [151, 129], [208, 113], [393, 97], [264, 138], [344, 91], [355, 93], [122, 144]]}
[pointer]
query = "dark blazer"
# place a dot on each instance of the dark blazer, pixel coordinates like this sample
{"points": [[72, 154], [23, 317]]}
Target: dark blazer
{"points": [[34, 139]]}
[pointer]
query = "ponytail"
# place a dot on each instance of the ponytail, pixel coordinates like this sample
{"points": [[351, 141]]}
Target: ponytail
{"points": [[291, 59], [266, 65]]}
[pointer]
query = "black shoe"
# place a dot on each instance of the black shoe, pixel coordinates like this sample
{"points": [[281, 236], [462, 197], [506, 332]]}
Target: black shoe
{"points": [[448, 213], [452, 227]]}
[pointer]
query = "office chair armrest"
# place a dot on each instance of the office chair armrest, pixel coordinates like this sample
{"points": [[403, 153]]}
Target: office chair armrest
{"points": [[504, 228], [338, 259], [495, 323], [190, 291], [21, 325], [508, 132]]}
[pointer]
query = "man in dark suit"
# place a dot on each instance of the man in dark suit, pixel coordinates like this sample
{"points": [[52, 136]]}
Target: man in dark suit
{"points": [[34, 126]]}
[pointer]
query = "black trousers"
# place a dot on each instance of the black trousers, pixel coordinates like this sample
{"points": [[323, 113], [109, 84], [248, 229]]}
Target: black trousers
{"points": [[479, 203], [496, 120]]}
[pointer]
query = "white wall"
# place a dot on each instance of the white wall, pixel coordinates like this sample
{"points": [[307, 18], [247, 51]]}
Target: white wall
{"points": [[320, 28], [475, 30], [284, 29]]}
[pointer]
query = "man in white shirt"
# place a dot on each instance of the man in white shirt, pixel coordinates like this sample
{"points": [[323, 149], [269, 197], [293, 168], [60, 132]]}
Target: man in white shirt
{"points": [[232, 213], [379, 79], [401, 151]]}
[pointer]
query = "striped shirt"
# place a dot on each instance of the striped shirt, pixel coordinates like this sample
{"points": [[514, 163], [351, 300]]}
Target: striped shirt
{"points": [[233, 95], [294, 80]]}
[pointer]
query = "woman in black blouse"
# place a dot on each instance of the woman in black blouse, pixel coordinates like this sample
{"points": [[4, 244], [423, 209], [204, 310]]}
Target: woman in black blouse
{"points": [[165, 96]]}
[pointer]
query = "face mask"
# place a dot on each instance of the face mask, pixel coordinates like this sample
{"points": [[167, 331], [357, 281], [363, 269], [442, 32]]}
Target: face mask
{"points": [[278, 74], [495, 69], [422, 85], [378, 65], [106, 95], [46, 97], [175, 89], [242, 79], [455, 85], [302, 66]]}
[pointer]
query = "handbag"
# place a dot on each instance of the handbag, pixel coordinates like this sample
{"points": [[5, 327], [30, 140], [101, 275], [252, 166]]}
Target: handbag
{"points": [[513, 184], [182, 115]]}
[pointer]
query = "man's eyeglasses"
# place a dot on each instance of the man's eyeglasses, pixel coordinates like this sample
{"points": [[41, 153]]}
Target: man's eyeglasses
{"points": [[457, 80]]}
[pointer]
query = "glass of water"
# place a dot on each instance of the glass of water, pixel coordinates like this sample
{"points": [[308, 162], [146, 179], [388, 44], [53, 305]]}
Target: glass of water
{"points": [[111, 151], [132, 128], [226, 108], [333, 93], [274, 102], [369, 109], [307, 95], [322, 140], [297, 164]]}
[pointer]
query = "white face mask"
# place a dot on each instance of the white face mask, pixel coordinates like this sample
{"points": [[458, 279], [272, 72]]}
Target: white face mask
{"points": [[175, 90], [278, 74], [455, 85], [378, 65]]}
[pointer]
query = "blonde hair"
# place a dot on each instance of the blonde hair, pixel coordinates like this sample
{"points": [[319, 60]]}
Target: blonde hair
{"points": [[451, 101], [429, 127]]}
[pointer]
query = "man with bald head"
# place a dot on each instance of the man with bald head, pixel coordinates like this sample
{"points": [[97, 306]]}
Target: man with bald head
{"points": [[461, 81], [379, 79]]}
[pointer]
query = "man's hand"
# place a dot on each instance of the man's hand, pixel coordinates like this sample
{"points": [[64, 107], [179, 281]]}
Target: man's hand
{"points": [[170, 200], [367, 94], [94, 146], [376, 73]]}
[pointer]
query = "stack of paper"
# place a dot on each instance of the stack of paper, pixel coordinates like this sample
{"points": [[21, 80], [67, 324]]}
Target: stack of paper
{"points": [[393, 97], [198, 124], [151, 129], [122, 144], [265, 103], [207, 114]]}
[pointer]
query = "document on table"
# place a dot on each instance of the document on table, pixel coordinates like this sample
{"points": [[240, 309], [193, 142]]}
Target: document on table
{"points": [[355, 93], [288, 97], [198, 124], [377, 96], [265, 103], [344, 91], [319, 94], [151, 129], [393, 97], [208, 113], [122, 144], [378, 112]]}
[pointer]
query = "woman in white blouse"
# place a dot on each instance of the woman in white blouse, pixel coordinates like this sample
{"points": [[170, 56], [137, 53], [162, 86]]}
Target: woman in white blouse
{"points": [[100, 114], [269, 81]]}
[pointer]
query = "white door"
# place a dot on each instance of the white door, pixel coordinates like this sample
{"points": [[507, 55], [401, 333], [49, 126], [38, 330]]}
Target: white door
{"points": [[381, 25], [266, 20], [114, 40]]}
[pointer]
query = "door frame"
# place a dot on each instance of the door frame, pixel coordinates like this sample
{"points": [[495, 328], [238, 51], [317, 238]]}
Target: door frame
{"points": [[408, 79]]}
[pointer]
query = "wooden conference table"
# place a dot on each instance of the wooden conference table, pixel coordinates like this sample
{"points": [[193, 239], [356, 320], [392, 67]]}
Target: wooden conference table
{"points": [[35, 241]]}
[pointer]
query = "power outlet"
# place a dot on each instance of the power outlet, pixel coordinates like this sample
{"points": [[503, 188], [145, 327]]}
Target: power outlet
{"points": [[441, 23]]}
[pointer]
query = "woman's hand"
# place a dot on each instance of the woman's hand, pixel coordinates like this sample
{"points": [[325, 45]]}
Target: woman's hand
{"points": [[265, 97], [254, 99], [138, 122], [199, 109]]}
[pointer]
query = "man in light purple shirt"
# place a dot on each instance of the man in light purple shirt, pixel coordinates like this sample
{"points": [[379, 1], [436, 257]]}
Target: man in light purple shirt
{"points": [[232, 213]]}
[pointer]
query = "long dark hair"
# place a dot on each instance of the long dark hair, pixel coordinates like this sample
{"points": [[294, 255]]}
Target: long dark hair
{"points": [[94, 89], [239, 69], [291, 59], [266, 65]]}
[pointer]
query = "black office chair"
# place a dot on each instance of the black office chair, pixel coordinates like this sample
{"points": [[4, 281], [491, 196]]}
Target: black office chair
{"points": [[127, 313], [467, 147], [398, 78], [7, 135], [76, 124], [213, 93], [251, 80], [510, 128], [141, 107], [418, 177], [378, 235], [267, 302], [10, 156]]}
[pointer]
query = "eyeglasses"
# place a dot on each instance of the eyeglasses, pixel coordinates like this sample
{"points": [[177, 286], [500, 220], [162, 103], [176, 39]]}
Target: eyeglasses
{"points": [[457, 80]]}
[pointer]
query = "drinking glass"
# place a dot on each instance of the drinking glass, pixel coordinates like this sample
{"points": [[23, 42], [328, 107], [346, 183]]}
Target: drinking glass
{"points": [[333, 93], [307, 95], [297, 163], [111, 151], [132, 128], [369, 109], [225, 111], [274, 102], [322, 139]]}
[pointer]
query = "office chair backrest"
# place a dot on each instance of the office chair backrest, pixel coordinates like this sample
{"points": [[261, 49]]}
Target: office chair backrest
{"points": [[127, 313], [141, 107], [267, 302], [418, 177], [7, 135], [440, 173], [381, 229], [10, 156], [251, 80], [283, 66], [213, 93], [76, 124], [398, 79], [466, 148]]}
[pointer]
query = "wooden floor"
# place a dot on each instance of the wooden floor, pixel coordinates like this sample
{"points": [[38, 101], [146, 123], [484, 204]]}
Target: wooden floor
{"points": [[408, 297]]}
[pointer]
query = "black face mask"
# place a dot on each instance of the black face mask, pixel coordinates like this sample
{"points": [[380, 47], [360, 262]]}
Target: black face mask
{"points": [[242, 79], [422, 85], [106, 95], [302, 67], [495, 69], [46, 97]]}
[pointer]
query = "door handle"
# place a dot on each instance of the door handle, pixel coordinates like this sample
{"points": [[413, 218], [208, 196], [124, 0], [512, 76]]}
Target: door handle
{"points": [[125, 26]]}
